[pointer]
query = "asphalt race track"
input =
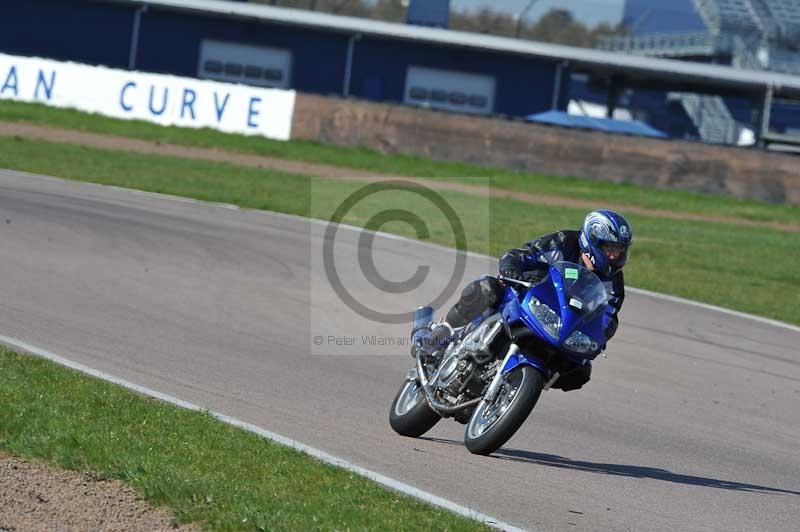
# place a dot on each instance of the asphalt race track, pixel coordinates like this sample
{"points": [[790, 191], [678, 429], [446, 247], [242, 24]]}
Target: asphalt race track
{"points": [[692, 423]]}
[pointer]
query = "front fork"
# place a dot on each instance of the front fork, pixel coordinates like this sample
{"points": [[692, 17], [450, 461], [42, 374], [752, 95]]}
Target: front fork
{"points": [[494, 386], [513, 359]]}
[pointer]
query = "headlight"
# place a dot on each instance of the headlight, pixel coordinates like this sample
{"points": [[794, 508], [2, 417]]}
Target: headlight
{"points": [[580, 343], [548, 317]]}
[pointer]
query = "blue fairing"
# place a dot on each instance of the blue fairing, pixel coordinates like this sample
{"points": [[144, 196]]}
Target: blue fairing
{"points": [[578, 303], [529, 360]]}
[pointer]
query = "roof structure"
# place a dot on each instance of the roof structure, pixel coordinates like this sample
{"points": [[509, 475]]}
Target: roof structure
{"points": [[646, 71], [609, 125]]}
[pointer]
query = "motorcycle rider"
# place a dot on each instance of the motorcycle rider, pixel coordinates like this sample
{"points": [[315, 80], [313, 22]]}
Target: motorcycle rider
{"points": [[601, 245]]}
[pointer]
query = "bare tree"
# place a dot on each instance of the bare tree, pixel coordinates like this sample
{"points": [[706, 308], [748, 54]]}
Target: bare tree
{"points": [[556, 26]]}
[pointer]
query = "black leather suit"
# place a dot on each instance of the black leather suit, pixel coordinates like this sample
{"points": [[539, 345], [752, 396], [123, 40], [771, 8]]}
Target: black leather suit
{"points": [[484, 294]]}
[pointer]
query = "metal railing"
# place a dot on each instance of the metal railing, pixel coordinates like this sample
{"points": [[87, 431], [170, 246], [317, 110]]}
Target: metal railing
{"points": [[657, 44]]}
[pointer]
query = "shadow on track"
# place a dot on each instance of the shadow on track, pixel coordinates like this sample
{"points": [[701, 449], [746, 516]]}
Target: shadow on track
{"points": [[550, 460]]}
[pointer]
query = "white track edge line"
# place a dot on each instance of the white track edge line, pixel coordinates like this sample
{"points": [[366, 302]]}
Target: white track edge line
{"points": [[722, 310], [327, 458], [640, 291], [316, 221]]}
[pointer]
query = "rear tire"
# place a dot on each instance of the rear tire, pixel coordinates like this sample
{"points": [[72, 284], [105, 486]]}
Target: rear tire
{"points": [[491, 425], [411, 415]]}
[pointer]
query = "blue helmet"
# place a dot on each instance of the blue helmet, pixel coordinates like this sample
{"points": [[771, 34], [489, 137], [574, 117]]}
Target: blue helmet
{"points": [[605, 238]]}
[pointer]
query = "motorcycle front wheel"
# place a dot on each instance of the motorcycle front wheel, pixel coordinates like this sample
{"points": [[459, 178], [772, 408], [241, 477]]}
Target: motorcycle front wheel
{"points": [[411, 415], [492, 424]]}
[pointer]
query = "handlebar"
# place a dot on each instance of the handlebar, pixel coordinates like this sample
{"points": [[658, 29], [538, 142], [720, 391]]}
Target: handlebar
{"points": [[511, 280]]}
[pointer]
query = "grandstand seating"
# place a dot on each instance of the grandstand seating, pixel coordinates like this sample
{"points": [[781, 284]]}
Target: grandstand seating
{"points": [[751, 34], [729, 16], [786, 14]]}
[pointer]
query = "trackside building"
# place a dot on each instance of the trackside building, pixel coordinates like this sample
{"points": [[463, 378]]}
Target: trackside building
{"points": [[268, 47], [262, 50]]}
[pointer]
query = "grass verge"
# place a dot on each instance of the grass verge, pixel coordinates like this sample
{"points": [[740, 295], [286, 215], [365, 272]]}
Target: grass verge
{"points": [[739, 268], [204, 470], [367, 159]]}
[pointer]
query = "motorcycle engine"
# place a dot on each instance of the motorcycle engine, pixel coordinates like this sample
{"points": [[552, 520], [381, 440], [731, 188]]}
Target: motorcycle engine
{"points": [[455, 372], [464, 370]]}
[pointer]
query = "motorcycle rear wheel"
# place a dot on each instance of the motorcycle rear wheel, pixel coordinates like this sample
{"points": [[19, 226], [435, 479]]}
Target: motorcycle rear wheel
{"points": [[491, 425], [411, 415]]}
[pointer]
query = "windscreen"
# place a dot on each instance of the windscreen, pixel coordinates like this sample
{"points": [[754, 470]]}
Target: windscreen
{"points": [[585, 291]]}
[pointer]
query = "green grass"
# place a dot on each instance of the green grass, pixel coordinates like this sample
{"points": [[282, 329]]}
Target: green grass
{"points": [[202, 469], [363, 158], [742, 268], [225, 478]]}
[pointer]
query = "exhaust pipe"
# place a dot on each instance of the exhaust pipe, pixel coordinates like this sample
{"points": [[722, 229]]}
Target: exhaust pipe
{"points": [[441, 408]]}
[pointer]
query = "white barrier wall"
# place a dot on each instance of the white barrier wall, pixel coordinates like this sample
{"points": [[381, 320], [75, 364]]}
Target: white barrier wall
{"points": [[159, 98]]}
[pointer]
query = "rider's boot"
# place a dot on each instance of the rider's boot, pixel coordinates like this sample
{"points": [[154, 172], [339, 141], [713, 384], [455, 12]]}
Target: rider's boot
{"points": [[432, 339]]}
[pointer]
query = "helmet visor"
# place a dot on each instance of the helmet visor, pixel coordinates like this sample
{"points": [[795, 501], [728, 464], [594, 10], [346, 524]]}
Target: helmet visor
{"points": [[615, 252]]}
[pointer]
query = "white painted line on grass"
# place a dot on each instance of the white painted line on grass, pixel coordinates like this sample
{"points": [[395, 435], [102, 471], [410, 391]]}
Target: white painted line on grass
{"points": [[391, 483]]}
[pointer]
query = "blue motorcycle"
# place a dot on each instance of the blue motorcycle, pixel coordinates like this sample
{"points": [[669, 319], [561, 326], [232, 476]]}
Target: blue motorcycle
{"points": [[491, 375]]}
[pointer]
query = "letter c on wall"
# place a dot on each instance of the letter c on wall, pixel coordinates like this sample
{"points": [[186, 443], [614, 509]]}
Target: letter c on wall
{"points": [[125, 87]]}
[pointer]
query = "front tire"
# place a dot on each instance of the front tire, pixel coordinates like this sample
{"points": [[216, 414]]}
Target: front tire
{"points": [[411, 415], [491, 425]]}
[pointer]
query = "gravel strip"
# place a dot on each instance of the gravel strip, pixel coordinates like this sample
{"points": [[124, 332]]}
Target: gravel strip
{"points": [[36, 497]]}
